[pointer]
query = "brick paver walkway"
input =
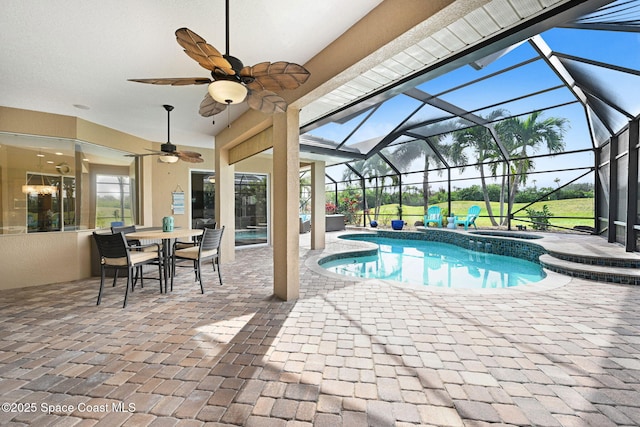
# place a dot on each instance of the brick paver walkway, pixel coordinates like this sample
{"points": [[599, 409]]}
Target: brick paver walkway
{"points": [[351, 353]]}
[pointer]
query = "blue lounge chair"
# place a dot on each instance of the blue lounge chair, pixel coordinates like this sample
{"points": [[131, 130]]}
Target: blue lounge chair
{"points": [[433, 216], [469, 219]]}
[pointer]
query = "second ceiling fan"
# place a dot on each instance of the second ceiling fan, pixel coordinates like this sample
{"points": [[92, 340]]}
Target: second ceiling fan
{"points": [[231, 82], [169, 153]]}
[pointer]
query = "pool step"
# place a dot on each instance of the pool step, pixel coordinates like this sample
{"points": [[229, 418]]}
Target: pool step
{"points": [[628, 261], [585, 270]]}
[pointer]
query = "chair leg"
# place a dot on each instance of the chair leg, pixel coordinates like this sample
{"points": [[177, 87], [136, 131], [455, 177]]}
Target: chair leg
{"points": [[160, 267], [219, 274], [126, 292], [199, 274], [115, 277], [173, 269], [102, 275]]}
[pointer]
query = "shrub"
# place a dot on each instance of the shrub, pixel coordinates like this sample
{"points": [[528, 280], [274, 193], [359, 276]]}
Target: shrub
{"points": [[540, 219]]}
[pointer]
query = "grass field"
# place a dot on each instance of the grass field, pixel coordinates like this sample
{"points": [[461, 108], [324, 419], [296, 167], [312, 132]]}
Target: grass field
{"points": [[579, 211]]}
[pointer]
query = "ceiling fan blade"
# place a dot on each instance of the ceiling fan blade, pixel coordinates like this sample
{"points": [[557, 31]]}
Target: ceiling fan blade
{"points": [[275, 76], [198, 49], [189, 156], [266, 102], [180, 81], [210, 107]]}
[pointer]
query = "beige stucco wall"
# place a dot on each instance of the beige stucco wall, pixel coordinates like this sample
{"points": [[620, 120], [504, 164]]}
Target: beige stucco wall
{"points": [[44, 258]]}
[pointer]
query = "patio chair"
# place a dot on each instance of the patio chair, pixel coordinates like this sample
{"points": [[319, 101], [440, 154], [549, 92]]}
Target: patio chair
{"points": [[209, 248], [117, 255], [181, 244], [469, 219], [137, 244], [434, 216]]}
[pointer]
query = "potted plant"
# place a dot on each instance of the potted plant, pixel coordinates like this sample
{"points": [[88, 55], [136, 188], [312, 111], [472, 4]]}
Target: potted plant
{"points": [[397, 224]]}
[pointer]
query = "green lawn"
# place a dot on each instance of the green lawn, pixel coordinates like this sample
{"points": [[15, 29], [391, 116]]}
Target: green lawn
{"points": [[105, 215], [577, 209]]}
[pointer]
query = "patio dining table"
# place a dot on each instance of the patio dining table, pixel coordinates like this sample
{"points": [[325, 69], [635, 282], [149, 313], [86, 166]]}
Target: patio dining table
{"points": [[165, 237]]}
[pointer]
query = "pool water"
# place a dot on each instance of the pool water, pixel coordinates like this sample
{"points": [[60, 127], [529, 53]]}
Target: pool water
{"points": [[251, 237], [437, 264]]}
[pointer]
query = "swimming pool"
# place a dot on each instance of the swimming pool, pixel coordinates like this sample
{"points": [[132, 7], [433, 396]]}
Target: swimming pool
{"points": [[434, 264]]}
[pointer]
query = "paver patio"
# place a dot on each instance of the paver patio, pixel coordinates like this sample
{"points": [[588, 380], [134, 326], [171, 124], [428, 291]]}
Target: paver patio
{"points": [[347, 352]]}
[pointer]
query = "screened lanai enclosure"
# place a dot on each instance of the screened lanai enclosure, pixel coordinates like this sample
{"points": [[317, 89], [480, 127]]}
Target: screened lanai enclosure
{"points": [[538, 125]]}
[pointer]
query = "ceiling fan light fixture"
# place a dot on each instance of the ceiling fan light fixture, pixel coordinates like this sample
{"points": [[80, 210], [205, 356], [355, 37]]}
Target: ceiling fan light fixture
{"points": [[168, 158], [227, 91]]}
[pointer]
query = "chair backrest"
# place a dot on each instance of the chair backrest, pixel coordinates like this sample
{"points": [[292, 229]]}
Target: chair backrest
{"points": [[126, 229], [210, 225], [111, 245], [473, 212], [433, 212], [211, 239]]}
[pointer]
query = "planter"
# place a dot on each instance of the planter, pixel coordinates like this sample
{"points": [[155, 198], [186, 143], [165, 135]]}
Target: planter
{"points": [[451, 222], [397, 224], [373, 224]]}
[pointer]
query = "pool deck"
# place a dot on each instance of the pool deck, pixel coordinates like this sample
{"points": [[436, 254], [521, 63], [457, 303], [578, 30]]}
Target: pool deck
{"points": [[345, 353]]}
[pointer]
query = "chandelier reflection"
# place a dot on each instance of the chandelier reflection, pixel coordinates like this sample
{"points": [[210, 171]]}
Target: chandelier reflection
{"points": [[39, 188]]}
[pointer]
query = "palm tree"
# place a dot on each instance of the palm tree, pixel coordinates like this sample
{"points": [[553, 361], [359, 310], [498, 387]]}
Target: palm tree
{"points": [[481, 140], [408, 152], [377, 171], [525, 137]]}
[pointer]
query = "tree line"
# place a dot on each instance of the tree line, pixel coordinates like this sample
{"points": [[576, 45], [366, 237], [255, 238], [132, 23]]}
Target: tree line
{"points": [[500, 137]]}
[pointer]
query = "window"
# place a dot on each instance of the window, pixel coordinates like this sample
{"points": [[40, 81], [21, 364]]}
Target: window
{"points": [[55, 184], [113, 200]]}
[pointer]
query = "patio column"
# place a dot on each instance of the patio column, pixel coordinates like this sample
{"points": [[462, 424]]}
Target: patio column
{"points": [[318, 200], [225, 203], [286, 199]]}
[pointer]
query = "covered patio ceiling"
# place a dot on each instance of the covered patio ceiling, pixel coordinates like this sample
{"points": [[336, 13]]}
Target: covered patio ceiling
{"points": [[575, 61]]}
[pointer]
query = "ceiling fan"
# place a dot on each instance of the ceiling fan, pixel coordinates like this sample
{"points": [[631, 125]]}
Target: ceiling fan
{"points": [[169, 153], [231, 82]]}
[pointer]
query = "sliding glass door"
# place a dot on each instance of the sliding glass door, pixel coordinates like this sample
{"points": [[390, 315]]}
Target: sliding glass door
{"points": [[251, 205]]}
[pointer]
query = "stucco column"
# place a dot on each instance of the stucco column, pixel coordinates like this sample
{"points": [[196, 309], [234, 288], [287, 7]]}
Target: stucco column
{"points": [[318, 200], [225, 204], [286, 199]]}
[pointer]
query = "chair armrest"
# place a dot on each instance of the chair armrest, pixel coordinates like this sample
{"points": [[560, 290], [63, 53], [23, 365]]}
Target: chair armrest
{"points": [[179, 244], [148, 245]]}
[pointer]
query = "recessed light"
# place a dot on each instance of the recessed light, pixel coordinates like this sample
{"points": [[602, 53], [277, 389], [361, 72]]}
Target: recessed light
{"points": [[58, 154], [81, 107]]}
